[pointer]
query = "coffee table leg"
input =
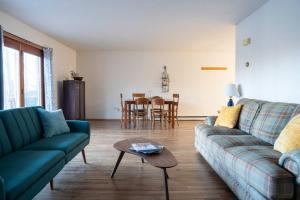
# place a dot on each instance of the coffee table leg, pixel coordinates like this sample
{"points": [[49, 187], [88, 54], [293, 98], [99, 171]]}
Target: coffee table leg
{"points": [[167, 174], [117, 164], [166, 183]]}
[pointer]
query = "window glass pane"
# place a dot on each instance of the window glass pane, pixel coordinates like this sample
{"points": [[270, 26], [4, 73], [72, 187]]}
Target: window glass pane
{"points": [[32, 80], [11, 72]]}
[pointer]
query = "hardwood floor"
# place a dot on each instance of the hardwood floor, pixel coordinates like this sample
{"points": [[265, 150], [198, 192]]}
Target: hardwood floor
{"points": [[191, 179]]}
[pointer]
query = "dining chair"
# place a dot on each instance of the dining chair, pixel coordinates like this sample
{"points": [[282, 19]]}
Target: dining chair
{"points": [[130, 112], [158, 111], [155, 97], [141, 110], [176, 103], [138, 95]]}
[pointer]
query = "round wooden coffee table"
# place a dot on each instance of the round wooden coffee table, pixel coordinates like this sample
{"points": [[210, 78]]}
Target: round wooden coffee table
{"points": [[163, 160]]}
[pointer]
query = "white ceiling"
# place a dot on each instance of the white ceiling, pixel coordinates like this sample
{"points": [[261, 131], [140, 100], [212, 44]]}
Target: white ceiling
{"points": [[135, 24]]}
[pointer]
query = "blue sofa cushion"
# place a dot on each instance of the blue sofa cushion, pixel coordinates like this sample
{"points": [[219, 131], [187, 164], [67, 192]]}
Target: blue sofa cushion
{"points": [[5, 146], [22, 169], [65, 142], [22, 126], [53, 122]]}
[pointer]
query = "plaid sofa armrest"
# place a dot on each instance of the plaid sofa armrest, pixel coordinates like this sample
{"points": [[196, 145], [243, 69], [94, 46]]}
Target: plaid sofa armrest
{"points": [[291, 162], [210, 120], [2, 189]]}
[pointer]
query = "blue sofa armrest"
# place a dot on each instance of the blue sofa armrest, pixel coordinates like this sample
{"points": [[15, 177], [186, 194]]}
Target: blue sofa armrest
{"points": [[210, 120], [79, 126], [291, 162], [2, 189]]}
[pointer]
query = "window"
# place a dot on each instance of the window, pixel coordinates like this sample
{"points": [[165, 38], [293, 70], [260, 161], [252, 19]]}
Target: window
{"points": [[23, 73]]}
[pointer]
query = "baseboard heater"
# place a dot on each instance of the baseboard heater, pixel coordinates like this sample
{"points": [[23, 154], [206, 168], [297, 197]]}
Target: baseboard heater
{"points": [[192, 118]]}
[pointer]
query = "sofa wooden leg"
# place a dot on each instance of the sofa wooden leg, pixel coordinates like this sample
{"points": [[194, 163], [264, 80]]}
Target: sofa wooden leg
{"points": [[51, 185], [83, 155]]}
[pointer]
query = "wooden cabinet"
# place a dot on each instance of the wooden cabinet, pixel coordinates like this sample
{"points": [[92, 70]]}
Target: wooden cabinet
{"points": [[74, 99]]}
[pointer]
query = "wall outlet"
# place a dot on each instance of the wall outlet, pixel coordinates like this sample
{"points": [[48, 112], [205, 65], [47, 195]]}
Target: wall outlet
{"points": [[117, 109]]}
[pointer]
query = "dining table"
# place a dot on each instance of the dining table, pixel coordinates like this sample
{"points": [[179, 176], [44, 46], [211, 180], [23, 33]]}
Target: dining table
{"points": [[128, 104]]}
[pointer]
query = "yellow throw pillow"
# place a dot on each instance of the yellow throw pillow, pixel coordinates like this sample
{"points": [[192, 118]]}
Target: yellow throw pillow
{"points": [[228, 116], [289, 138]]}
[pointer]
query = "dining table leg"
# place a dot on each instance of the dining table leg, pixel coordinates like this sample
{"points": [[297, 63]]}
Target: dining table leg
{"points": [[129, 114], [169, 112], [126, 115], [173, 115]]}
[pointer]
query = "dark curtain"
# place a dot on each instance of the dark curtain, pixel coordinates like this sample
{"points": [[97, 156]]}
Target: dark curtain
{"points": [[1, 70]]}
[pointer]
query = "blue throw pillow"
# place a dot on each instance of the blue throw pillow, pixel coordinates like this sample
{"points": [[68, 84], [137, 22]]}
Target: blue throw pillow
{"points": [[54, 122]]}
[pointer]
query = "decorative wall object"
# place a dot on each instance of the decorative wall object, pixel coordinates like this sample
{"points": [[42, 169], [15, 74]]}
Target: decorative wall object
{"points": [[247, 41], [206, 68], [165, 80]]}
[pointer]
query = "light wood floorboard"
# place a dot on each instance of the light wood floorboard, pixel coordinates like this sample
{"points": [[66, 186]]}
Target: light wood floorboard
{"points": [[192, 179]]}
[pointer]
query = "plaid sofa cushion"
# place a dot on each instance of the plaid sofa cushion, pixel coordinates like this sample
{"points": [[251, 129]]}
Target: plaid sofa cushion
{"points": [[207, 130], [203, 132], [271, 119], [218, 144], [257, 165], [296, 111], [238, 186], [249, 110]]}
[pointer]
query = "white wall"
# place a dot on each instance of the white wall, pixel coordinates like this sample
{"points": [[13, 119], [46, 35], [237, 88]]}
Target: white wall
{"points": [[64, 58], [107, 73], [274, 55]]}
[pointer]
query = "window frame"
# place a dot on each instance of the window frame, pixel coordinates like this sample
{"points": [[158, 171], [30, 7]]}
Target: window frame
{"points": [[24, 46]]}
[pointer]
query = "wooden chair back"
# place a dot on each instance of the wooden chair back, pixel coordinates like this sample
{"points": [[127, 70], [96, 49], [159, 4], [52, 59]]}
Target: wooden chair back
{"points": [[155, 97], [176, 99], [141, 103], [158, 103], [138, 95]]}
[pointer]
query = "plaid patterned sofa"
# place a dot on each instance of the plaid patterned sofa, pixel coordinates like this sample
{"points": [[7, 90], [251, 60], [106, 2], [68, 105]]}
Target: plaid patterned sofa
{"points": [[244, 157]]}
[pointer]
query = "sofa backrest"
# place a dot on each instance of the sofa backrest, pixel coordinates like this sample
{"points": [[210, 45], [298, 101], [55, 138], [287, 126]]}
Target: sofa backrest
{"points": [[22, 126], [5, 145], [271, 119], [248, 113]]}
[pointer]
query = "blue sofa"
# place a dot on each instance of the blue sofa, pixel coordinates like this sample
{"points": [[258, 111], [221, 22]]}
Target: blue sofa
{"points": [[28, 161], [245, 158]]}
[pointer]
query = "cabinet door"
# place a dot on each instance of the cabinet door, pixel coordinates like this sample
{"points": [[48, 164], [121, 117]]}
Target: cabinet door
{"points": [[82, 100], [68, 99], [77, 100]]}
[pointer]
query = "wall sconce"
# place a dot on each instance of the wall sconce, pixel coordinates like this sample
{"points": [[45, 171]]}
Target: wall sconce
{"points": [[165, 80]]}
